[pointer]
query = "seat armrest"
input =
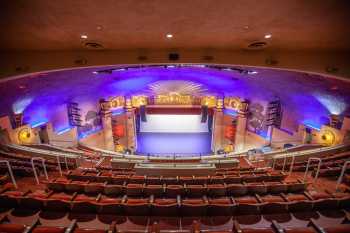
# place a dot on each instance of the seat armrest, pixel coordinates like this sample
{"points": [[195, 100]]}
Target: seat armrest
{"points": [[71, 226]]}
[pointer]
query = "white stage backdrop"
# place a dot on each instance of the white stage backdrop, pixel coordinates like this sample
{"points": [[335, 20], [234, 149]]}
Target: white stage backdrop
{"points": [[173, 124]]}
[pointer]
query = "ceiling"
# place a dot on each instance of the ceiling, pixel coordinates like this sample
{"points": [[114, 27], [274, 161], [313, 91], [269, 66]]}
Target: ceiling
{"points": [[195, 24]]}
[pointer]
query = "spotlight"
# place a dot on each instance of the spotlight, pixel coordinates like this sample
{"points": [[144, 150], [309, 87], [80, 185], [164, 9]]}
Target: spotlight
{"points": [[94, 72], [169, 36], [252, 72], [83, 36], [268, 36]]}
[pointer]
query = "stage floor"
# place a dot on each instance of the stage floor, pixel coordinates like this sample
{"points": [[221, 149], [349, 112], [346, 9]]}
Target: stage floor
{"points": [[182, 144]]}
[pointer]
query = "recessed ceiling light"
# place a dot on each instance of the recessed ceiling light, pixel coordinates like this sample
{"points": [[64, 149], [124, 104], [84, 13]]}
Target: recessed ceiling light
{"points": [[268, 36], [169, 36], [83, 36]]}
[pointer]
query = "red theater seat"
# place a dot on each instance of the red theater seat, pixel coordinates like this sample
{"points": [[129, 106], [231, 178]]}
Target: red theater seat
{"points": [[153, 189], [174, 190], [300, 230], [58, 184], [137, 207], [193, 207], [79, 230], [165, 207], [216, 180], [120, 179], [113, 189], [134, 179], [216, 190], [221, 207], [108, 205], [170, 180], [153, 180], [236, 189], [11, 228], [134, 189], [76, 186], [342, 228], [84, 204], [48, 229], [94, 188], [248, 205], [233, 179], [186, 180], [195, 190], [276, 187], [256, 188], [200, 179]]}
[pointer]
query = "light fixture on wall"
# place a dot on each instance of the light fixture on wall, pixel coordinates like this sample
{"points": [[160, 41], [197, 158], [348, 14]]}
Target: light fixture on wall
{"points": [[169, 36], [267, 36], [328, 138], [24, 135]]}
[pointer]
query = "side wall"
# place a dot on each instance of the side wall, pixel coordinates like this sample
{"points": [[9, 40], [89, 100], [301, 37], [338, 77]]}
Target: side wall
{"points": [[17, 63]]}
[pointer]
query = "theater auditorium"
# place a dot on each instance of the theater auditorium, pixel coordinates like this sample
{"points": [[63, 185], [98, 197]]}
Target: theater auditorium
{"points": [[188, 116]]}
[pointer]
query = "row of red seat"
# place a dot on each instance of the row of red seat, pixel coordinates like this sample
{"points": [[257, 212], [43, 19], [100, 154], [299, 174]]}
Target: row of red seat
{"points": [[6, 226], [252, 205], [191, 190], [329, 161], [218, 179], [27, 160], [38, 227]]}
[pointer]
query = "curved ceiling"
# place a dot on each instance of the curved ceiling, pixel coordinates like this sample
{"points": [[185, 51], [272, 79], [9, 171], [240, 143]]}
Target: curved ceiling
{"points": [[304, 97], [135, 24]]}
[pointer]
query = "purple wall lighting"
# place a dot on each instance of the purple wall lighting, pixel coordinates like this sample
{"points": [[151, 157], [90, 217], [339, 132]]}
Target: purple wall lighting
{"points": [[43, 97]]}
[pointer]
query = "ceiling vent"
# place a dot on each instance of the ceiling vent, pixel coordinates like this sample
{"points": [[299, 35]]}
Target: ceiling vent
{"points": [[173, 56], [257, 45], [208, 58], [93, 45], [142, 58], [80, 61]]}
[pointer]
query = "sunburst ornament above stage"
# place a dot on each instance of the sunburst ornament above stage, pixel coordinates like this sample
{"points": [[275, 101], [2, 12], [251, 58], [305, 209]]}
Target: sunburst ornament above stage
{"points": [[180, 87]]}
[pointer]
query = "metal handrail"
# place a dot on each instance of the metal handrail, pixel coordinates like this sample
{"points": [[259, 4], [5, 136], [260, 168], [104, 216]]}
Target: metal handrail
{"points": [[292, 165], [66, 162], [44, 166], [318, 168], [59, 165], [341, 175], [284, 163], [10, 172], [273, 163]]}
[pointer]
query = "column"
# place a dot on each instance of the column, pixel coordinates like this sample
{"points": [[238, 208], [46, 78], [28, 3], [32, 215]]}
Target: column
{"points": [[108, 132], [130, 126], [106, 119], [218, 128], [241, 127]]}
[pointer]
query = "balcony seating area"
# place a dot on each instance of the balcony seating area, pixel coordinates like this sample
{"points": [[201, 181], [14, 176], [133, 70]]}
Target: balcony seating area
{"points": [[330, 166], [20, 160], [239, 199]]}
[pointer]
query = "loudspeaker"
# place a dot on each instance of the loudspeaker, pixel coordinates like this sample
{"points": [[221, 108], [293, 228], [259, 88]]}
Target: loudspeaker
{"points": [[204, 114], [174, 56], [143, 113]]}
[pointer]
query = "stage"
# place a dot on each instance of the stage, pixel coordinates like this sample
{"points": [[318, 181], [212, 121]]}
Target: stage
{"points": [[181, 144]]}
